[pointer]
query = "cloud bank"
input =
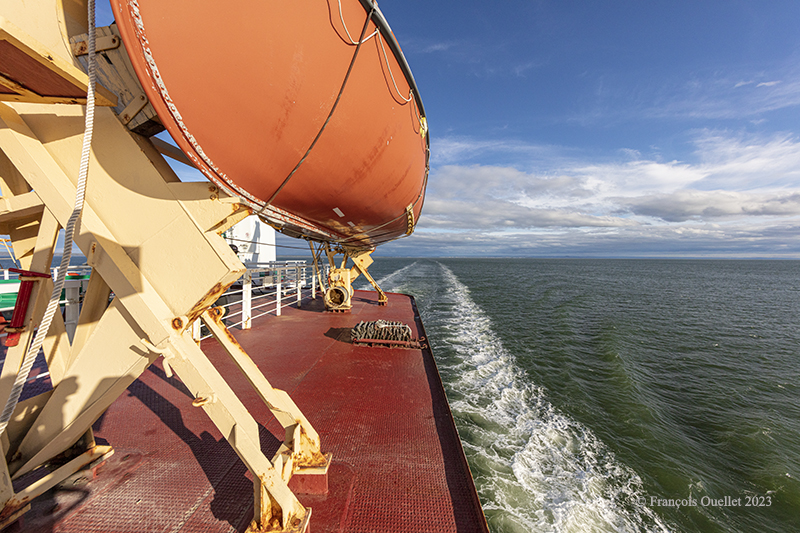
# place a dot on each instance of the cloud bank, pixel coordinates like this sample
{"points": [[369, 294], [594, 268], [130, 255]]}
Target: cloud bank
{"points": [[738, 196]]}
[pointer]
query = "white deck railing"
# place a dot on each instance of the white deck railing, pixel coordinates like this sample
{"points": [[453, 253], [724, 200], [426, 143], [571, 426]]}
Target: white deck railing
{"points": [[264, 289], [75, 285]]}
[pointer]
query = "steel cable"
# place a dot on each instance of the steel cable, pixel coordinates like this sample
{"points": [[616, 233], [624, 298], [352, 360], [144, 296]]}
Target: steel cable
{"points": [[330, 114]]}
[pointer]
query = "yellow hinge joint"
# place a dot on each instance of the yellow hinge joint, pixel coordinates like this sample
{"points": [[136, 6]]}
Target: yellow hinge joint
{"points": [[410, 219]]}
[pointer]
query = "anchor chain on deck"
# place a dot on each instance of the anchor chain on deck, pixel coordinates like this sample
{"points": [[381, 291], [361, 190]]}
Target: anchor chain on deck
{"points": [[381, 330], [385, 333]]}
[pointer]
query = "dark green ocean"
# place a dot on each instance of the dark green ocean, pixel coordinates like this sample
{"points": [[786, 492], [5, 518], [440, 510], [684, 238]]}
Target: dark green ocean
{"points": [[620, 395]]}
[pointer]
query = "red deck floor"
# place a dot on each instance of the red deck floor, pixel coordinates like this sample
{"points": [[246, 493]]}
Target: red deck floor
{"points": [[397, 463]]}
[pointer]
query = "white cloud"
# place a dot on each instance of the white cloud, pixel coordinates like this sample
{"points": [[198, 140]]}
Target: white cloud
{"points": [[634, 177], [446, 150], [721, 93], [520, 70], [437, 47], [720, 98], [717, 103], [685, 205], [739, 189], [740, 162], [687, 240]]}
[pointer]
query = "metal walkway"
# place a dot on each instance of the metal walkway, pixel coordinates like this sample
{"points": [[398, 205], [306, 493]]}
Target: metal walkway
{"points": [[397, 463]]}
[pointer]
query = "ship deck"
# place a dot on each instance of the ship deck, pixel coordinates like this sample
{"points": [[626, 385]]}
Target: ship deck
{"points": [[397, 462]]}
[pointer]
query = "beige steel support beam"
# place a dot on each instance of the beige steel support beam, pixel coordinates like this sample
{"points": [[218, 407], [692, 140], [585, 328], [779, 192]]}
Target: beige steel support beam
{"points": [[305, 449], [21, 421], [317, 271], [17, 504], [145, 237], [341, 278], [218, 214], [20, 207], [38, 261], [57, 189], [278, 506], [92, 382], [22, 230], [362, 259], [56, 345]]}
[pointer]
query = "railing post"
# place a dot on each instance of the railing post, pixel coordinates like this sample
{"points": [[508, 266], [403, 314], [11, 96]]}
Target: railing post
{"points": [[313, 286], [247, 295], [196, 330], [278, 275], [72, 306], [298, 283]]}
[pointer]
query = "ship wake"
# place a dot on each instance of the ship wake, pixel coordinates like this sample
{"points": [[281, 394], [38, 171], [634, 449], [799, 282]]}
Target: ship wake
{"points": [[535, 468]]}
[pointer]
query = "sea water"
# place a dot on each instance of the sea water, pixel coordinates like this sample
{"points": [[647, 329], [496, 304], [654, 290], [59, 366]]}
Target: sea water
{"points": [[619, 395]]}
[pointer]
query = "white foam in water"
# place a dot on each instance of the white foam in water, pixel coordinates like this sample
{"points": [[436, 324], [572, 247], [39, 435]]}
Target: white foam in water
{"points": [[388, 279], [535, 468]]}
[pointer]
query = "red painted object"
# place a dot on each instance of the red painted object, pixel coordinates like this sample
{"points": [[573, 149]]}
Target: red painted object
{"points": [[397, 466], [256, 97], [21, 306]]}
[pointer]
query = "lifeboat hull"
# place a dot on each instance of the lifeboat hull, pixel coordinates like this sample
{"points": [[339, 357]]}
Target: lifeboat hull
{"points": [[258, 96]]}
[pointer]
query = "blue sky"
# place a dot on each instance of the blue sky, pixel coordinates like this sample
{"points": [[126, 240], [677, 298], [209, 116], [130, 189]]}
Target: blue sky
{"points": [[635, 128], [607, 128]]}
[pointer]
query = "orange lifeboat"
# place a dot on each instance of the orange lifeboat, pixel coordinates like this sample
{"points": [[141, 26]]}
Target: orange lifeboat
{"points": [[308, 111]]}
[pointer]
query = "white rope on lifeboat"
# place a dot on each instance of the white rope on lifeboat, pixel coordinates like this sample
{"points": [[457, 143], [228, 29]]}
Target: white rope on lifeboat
{"points": [[385, 57], [365, 39], [69, 233], [389, 68], [330, 113]]}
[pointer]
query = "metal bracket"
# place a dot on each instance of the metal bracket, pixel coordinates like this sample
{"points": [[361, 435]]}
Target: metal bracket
{"points": [[340, 279], [101, 43], [136, 104], [361, 262], [410, 219]]}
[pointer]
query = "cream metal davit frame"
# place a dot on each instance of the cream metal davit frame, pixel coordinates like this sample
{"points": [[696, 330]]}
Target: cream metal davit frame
{"points": [[154, 243]]}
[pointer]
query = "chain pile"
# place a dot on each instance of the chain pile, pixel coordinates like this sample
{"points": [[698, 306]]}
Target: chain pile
{"points": [[381, 330]]}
